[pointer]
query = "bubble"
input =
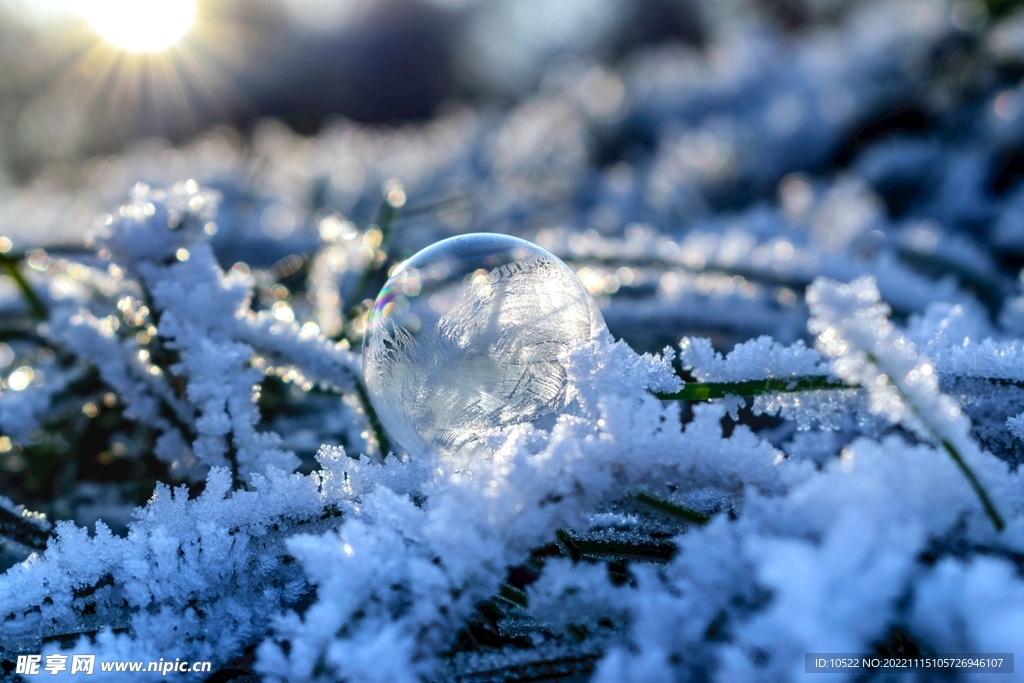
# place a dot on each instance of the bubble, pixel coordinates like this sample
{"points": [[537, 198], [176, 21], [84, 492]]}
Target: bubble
{"points": [[464, 338]]}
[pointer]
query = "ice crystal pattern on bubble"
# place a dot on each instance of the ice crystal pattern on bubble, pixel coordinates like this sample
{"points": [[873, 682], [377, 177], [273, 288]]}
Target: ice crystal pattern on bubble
{"points": [[464, 340]]}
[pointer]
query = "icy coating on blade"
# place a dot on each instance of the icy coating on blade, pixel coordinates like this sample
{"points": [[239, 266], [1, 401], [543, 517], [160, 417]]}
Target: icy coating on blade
{"points": [[464, 339]]}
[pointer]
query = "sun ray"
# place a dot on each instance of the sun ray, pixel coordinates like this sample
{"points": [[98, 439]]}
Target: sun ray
{"points": [[170, 93]]}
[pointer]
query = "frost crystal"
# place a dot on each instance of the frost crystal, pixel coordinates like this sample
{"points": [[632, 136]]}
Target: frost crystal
{"points": [[609, 534], [853, 328], [1016, 425], [464, 340], [756, 359]]}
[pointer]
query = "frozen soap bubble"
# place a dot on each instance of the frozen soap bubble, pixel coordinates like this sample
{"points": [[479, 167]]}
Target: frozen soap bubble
{"points": [[464, 340]]}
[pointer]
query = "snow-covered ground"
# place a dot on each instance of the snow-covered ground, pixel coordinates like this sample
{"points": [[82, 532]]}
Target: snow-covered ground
{"points": [[824, 225]]}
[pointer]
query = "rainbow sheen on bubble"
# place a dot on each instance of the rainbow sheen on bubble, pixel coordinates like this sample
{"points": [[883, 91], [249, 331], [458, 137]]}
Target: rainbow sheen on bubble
{"points": [[463, 342]]}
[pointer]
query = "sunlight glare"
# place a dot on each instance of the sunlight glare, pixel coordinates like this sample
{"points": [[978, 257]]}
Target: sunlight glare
{"points": [[141, 25]]}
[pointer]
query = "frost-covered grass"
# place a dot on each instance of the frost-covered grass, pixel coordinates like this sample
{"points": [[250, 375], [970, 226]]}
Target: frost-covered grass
{"points": [[802, 434]]}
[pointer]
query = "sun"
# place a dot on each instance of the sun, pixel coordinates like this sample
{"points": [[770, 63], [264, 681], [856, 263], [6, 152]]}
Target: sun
{"points": [[140, 25]]}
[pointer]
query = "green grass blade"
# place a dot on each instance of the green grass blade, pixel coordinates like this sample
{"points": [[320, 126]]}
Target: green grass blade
{"points": [[705, 391]]}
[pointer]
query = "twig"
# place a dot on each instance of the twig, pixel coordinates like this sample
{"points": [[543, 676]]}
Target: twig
{"points": [[431, 206], [597, 548], [22, 531], [704, 391], [385, 222], [373, 419], [36, 306], [673, 509], [979, 490]]}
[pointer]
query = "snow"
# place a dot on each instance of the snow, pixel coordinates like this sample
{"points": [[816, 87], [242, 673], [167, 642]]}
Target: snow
{"points": [[718, 248]]}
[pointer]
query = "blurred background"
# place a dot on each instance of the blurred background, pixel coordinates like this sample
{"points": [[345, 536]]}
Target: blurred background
{"points": [[696, 162], [686, 108], [85, 77]]}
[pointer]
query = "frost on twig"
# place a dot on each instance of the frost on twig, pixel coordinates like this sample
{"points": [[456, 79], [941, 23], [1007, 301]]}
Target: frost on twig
{"points": [[23, 527], [402, 578], [1016, 425], [753, 360], [190, 354], [586, 550], [852, 327], [791, 381], [199, 576]]}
